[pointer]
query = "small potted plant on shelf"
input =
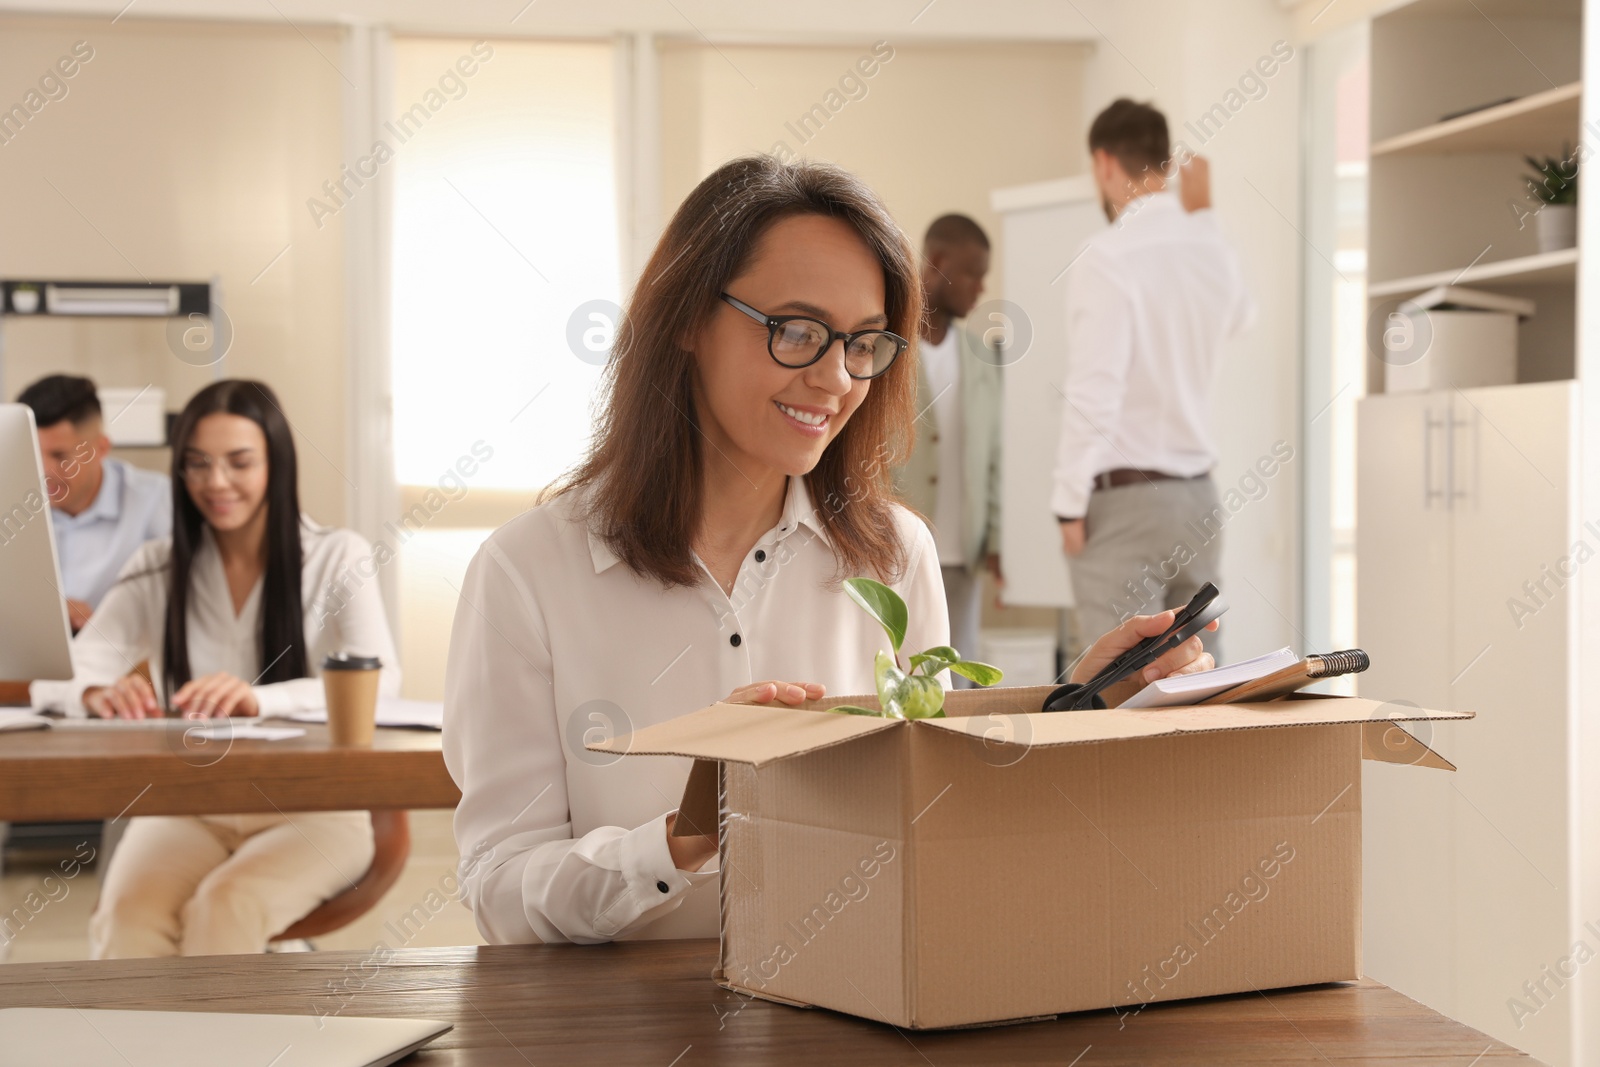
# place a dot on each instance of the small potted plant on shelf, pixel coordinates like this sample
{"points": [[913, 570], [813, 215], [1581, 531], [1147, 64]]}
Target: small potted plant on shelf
{"points": [[1554, 183], [912, 691]]}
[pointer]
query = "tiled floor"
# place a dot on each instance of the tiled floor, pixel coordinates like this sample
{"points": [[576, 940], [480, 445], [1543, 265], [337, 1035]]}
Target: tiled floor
{"points": [[417, 913]]}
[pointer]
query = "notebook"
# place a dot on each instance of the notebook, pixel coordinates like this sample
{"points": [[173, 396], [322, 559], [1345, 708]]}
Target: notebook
{"points": [[93, 1037], [1295, 677], [1184, 689]]}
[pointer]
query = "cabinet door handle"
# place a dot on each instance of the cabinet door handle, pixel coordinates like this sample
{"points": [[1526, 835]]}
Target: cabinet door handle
{"points": [[1429, 424], [1452, 494]]}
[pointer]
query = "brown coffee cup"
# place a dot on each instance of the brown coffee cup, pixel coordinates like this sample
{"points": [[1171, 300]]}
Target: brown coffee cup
{"points": [[351, 686]]}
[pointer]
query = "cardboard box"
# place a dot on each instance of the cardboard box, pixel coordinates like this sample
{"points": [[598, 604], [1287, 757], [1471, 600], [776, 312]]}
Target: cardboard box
{"points": [[1454, 338], [1468, 349], [1003, 863]]}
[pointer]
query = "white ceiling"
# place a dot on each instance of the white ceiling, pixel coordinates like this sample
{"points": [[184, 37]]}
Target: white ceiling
{"points": [[724, 20]]}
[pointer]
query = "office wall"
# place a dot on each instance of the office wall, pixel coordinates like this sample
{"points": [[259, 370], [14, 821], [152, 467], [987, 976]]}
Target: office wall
{"points": [[183, 150], [932, 130], [1314, 18]]}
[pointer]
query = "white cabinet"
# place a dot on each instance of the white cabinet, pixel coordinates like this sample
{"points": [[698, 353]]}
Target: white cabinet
{"points": [[1468, 545]]}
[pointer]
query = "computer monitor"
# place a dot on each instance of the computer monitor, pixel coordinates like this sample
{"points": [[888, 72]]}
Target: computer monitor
{"points": [[34, 632]]}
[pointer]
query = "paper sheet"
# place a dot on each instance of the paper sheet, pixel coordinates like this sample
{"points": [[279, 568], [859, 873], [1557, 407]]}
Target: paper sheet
{"points": [[1187, 689], [245, 730], [396, 712]]}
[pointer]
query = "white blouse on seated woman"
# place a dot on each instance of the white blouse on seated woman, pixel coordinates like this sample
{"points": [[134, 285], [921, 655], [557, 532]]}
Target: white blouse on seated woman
{"points": [[343, 612]]}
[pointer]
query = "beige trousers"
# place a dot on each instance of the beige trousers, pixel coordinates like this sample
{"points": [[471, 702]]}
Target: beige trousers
{"points": [[1151, 546], [217, 884]]}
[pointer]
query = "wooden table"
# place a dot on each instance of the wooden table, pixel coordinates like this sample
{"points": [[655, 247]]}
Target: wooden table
{"points": [[653, 1003], [100, 773]]}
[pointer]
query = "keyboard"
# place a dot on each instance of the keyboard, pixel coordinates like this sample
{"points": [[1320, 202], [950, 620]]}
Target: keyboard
{"points": [[124, 724]]}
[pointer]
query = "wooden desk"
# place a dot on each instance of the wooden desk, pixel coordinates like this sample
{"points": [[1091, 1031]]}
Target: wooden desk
{"points": [[60, 774], [653, 1003]]}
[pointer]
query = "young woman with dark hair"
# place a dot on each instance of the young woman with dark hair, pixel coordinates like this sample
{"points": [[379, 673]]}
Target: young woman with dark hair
{"points": [[759, 393], [235, 614]]}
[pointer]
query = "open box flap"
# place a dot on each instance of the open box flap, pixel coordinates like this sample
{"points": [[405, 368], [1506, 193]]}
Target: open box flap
{"points": [[1387, 742], [756, 734], [1045, 729]]}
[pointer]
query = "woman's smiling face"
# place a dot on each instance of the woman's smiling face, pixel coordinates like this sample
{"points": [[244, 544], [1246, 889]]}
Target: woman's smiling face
{"points": [[225, 470], [758, 414]]}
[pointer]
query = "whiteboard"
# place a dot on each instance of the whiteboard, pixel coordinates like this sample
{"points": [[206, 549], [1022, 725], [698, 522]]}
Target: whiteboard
{"points": [[1042, 227]]}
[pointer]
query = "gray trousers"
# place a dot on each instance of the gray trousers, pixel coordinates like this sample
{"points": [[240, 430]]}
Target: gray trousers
{"points": [[1150, 547], [963, 594]]}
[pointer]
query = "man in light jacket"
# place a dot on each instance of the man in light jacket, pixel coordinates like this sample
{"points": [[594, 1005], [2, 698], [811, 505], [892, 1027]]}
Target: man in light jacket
{"points": [[1150, 303], [953, 474]]}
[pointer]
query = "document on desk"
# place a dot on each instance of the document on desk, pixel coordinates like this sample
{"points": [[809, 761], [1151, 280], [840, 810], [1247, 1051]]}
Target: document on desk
{"points": [[393, 712], [21, 719]]}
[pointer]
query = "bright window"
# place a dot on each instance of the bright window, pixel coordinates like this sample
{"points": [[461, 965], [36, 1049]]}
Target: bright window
{"points": [[505, 232], [505, 225]]}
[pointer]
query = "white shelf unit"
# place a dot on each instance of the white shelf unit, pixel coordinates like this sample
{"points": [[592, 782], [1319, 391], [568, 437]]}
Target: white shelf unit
{"points": [[1478, 882], [1447, 198], [1538, 270], [1526, 125]]}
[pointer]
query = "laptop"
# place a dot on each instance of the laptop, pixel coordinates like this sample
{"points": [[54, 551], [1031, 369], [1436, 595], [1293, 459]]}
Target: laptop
{"points": [[93, 1037], [34, 634]]}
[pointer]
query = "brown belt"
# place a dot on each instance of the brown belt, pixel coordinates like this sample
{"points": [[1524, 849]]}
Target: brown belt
{"points": [[1115, 479]]}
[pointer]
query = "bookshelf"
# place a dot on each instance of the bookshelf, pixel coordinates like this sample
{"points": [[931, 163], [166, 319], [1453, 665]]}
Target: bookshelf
{"points": [[1526, 125], [1463, 496]]}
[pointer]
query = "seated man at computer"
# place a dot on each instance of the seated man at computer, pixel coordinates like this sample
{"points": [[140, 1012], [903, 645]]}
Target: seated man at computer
{"points": [[102, 508]]}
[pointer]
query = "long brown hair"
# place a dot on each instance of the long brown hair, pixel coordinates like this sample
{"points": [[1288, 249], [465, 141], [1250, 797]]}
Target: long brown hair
{"points": [[282, 639], [644, 470]]}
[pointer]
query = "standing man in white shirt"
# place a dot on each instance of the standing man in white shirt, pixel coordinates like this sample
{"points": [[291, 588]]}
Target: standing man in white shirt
{"points": [[953, 474], [1150, 303], [102, 508]]}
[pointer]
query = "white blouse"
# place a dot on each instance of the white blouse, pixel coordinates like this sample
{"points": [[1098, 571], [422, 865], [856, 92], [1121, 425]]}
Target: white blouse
{"points": [[339, 595], [557, 642]]}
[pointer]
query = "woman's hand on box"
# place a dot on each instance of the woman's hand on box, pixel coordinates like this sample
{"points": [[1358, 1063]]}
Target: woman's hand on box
{"points": [[1187, 658], [767, 692]]}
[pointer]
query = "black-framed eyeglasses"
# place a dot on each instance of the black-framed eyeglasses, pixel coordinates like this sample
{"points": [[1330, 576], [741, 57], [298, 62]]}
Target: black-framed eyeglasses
{"points": [[799, 340]]}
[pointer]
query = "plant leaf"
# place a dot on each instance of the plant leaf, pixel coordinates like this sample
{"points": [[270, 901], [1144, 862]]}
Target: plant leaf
{"points": [[854, 709], [924, 698], [883, 604], [981, 673], [933, 660], [891, 683]]}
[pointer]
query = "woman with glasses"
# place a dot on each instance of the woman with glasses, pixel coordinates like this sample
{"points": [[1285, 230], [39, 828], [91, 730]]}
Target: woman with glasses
{"points": [[235, 613], [758, 395]]}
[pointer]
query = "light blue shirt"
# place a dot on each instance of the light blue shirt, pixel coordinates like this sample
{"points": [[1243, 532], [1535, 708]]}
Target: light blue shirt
{"points": [[132, 507]]}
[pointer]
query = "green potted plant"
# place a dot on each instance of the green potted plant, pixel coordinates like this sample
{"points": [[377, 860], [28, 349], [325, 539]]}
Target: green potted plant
{"points": [[1554, 183], [911, 691], [25, 298]]}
